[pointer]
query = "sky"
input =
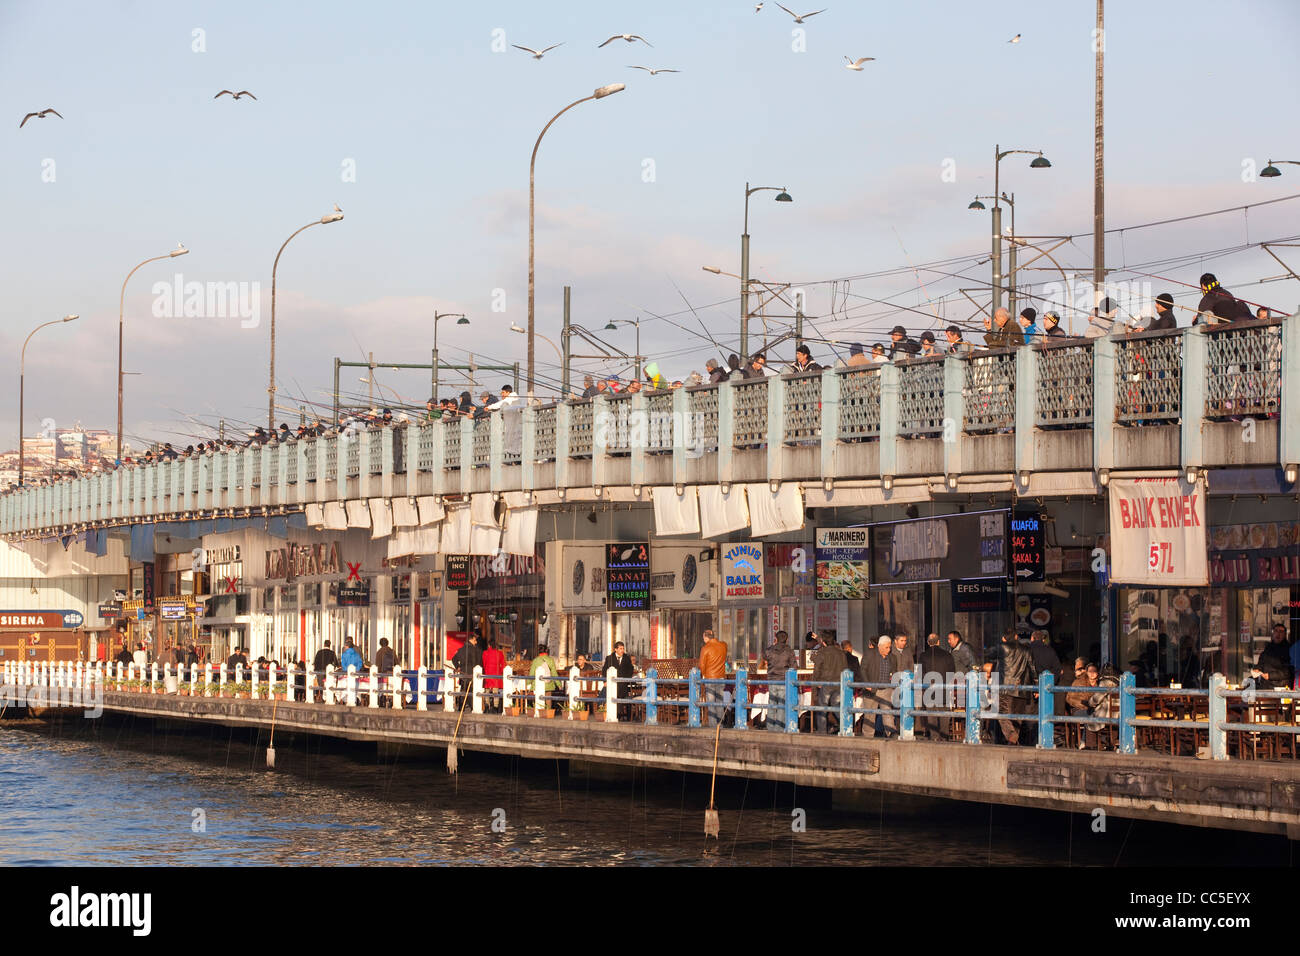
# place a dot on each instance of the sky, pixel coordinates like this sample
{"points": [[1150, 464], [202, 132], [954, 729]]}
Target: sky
{"points": [[418, 119]]}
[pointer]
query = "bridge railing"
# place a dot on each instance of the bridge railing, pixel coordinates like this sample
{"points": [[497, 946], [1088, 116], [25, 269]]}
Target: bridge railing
{"points": [[1130, 380], [1247, 719]]}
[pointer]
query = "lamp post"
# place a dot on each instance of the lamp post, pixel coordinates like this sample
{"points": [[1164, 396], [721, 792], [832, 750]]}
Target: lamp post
{"points": [[1271, 171], [22, 375], [613, 325], [462, 320], [601, 93], [334, 216], [781, 196], [180, 250], [999, 154]]}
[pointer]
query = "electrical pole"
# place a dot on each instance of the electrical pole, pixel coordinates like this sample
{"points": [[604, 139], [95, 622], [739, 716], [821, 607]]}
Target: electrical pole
{"points": [[1099, 165]]}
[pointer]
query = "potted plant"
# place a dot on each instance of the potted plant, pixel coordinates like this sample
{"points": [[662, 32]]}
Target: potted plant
{"points": [[577, 711], [546, 710]]}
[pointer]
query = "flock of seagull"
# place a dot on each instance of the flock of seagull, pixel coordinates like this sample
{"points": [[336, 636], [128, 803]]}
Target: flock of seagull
{"points": [[849, 62]]}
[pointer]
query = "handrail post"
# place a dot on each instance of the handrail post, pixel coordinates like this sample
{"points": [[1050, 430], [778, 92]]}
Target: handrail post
{"points": [[574, 691], [740, 699], [652, 696], [906, 703], [270, 681], [539, 686], [352, 685], [611, 694], [507, 685], [791, 702], [1218, 715], [253, 672], [207, 678], [476, 688], [329, 683], [153, 678], [374, 686], [398, 702], [421, 695], [194, 678], [1046, 708], [1127, 714], [448, 695], [972, 707], [846, 703], [693, 698], [221, 681]]}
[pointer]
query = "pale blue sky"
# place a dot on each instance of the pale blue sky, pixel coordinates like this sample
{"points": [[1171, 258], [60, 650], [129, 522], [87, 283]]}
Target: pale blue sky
{"points": [[440, 128]]}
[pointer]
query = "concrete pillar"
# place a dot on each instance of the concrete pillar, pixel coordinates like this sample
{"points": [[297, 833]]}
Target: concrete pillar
{"points": [[831, 408], [1196, 353], [1026, 411], [954, 412], [1103, 403], [776, 427], [889, 419], [726, 430], [1289, 414]]}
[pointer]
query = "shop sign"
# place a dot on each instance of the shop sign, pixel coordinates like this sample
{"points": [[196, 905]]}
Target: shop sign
{"points": [[228, 554], [1027, 546], [627, 576], [147, 572], [169, 611], [458, 572], [302, 560], [506, 570], [354, 595], [43, 620], [970, 597], [1264, 555], [110, 610], [954, 547], [1157, 532], [843, 561], [742, 572]]}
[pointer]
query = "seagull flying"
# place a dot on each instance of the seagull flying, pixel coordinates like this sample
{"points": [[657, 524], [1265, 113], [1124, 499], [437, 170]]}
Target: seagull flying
{"points": [[652, 72], [857, 64], [537, 55], [235, 95], [336, 208], [800, 17], [41, 115], [1015, 39], [758, 6], [629, 37]]}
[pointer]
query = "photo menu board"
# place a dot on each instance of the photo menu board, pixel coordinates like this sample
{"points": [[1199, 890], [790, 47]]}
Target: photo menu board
{"points": [[958, 547], [842, 562], [627, 576]]}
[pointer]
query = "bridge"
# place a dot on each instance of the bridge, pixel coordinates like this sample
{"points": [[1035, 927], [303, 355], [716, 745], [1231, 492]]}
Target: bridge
{"points": [[1047, 420]]}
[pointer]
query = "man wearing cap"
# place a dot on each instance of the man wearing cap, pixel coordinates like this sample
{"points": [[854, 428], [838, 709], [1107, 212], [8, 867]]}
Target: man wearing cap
{"points": [[1001, 332], [715, 371], [928, 348], [1052, 325], [1164, 318], [857, 356], [653, 377], [611, 384], [899, 342], [1220, 303], [1029, 325], [803, 360]]}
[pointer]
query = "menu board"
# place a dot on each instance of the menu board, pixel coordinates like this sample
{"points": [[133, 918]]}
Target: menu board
{"points": [[842, 557], [1028, 556], [967, 547], [627, 576]]}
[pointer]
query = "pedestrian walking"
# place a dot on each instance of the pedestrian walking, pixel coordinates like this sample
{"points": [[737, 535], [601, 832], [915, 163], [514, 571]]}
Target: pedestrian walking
{"points": [[829, 664]]}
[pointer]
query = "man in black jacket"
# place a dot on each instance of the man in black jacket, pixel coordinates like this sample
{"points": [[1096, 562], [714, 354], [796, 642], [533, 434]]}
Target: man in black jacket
{"points": [[465, 660], [1164, 314], [621, 662], [936, 668], [899, 342], [1017, 670], [1220, 303]]}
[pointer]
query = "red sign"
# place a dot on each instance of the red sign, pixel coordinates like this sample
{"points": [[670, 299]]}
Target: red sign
{"points": [[24, 620]]}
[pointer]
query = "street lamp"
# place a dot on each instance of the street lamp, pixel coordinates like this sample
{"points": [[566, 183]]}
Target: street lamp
{"points": [[781, 196], [999, 154], [22, 374], [613, 325], [436, 316], [601, 93], [515, 328], [1270, 171], [334, 216], [180, 250], [1011, 253]]}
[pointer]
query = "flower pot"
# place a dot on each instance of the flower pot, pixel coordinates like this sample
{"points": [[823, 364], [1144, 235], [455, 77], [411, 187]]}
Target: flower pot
{"points": [[548, 713], [580, 715]]}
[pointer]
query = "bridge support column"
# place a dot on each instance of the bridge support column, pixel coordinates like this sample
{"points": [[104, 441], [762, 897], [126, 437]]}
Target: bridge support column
{"points": [[1103, 403], [1195, 354], [889, 419], [1289, 413]]}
